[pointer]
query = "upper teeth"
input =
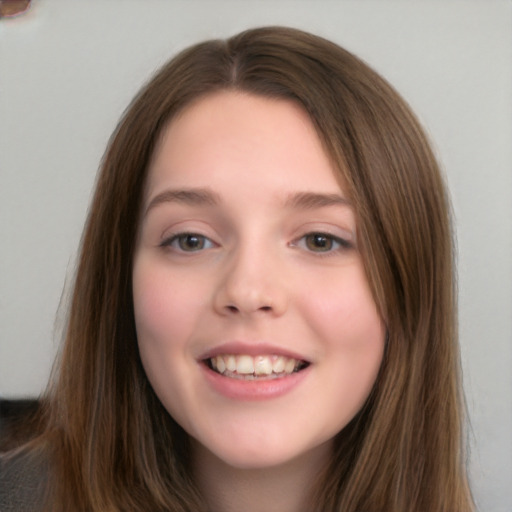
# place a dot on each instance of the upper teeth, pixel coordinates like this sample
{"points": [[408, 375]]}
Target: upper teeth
{"points": [[258, 365]]}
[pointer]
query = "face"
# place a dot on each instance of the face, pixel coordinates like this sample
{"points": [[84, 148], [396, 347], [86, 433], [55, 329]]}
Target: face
{"points": [[255, 322]]}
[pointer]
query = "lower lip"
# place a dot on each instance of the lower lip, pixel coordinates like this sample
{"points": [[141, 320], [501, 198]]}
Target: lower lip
{"points": [[264, 389]]}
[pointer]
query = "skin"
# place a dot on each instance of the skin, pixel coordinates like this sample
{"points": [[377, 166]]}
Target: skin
{"points": [[253, 273]]}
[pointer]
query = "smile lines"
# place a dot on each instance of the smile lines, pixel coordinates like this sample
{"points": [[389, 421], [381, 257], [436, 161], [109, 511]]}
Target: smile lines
{"points": [[248, 367]]}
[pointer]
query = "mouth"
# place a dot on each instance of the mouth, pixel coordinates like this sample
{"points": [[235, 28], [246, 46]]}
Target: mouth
{"points": [[248, 367]]}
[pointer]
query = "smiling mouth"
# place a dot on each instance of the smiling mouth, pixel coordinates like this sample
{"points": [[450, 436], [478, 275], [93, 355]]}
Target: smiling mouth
{"points": [[248, 367]]}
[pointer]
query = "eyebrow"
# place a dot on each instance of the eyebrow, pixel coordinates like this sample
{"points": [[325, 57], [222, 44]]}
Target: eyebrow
{"points": [[193, 197], [312, 200], [205, 197]]}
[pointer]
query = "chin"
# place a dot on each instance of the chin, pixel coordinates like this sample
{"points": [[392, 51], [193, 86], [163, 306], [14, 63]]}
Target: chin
{"points": [[249, 462], [251, 456]]}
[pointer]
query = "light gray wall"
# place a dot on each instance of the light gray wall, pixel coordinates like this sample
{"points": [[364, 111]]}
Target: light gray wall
{"points": [[68, 69]]}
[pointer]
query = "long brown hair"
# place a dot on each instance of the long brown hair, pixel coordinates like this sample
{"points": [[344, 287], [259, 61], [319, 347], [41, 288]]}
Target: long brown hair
{"points": [[114, 447]]}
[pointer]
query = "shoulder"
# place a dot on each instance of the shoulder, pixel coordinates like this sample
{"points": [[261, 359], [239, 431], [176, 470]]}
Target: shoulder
{"points": [[22, 482], [23, 472]]}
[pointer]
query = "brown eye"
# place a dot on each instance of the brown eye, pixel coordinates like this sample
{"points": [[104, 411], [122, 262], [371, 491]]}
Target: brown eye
{"points": [[319, 242], [188, 242], [191, 242]]}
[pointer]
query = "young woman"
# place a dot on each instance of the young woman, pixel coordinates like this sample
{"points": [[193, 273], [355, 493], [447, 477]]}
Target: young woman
{"points": [[263, 316]]}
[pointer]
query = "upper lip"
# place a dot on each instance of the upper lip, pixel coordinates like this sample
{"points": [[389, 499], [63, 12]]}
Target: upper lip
{"points": [[251, 349]]}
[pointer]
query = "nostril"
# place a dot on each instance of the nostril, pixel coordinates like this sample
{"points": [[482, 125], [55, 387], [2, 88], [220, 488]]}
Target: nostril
{"points": [[266, 308], [232, 309]]}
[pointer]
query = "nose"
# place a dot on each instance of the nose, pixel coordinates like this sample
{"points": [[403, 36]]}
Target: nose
{"points": [[252, 282]]}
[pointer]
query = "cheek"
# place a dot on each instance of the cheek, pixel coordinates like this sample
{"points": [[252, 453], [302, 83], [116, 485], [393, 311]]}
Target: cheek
{"points": [[354, 339], [155, 321], [165, 317], [345, 318], [344, 307], [164, 307]]}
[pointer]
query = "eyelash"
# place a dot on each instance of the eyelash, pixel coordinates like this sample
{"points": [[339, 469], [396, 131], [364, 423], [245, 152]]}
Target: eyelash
{"points": [[333, 243]]}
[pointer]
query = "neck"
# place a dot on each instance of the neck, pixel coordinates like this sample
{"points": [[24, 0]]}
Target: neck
{"points": [[284, 488]]}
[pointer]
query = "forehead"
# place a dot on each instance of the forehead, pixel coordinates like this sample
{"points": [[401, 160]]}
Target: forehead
{"points": [[243, 138]]}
